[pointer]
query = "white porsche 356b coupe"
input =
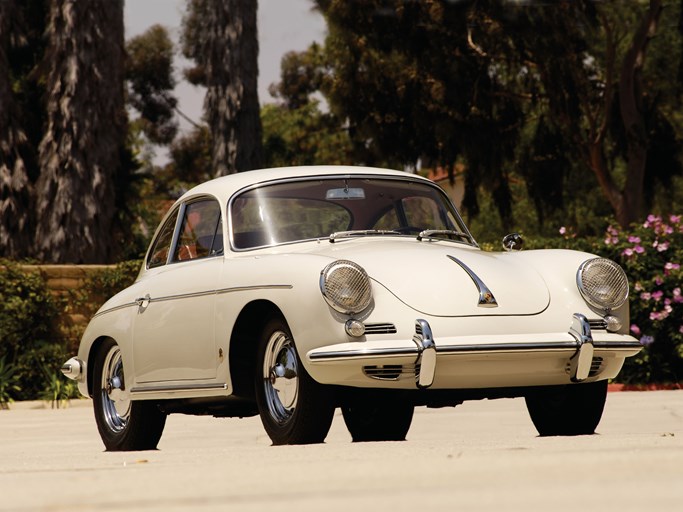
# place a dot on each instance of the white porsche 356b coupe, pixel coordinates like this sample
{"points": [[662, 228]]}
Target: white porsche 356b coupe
{"points": [[290, 292]]}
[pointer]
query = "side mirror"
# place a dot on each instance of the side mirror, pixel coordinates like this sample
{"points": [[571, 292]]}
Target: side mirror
{"points": [[513, 242]]}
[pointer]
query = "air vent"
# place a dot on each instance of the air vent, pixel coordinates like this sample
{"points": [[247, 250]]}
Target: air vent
{"points": [[391, 371], [380, 329], [596, 367], [598, 325]]}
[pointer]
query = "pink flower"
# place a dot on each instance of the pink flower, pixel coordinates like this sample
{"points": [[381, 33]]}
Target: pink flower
{"points": [[563, 230], [627, 252], [636, 330], [645, 296], [659, 281], [638, 287], [639, 249], [661, 247], [634, 239], [680, 329], [657, 296], [672, 266], [675, 219], [678, 298], [655, 316]]}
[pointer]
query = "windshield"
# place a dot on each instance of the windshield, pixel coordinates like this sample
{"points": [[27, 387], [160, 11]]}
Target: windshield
{"points": [[312, 209]]}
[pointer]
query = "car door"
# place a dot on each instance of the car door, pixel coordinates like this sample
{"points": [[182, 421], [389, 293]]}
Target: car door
{"points": [[174, 335]]}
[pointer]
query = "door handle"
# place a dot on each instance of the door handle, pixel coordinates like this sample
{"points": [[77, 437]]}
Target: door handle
{"points": [[143, 302]]}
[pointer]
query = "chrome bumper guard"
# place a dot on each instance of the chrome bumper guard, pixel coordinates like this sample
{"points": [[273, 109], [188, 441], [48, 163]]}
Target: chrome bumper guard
{"points": [[425, 366], [580, 363]]}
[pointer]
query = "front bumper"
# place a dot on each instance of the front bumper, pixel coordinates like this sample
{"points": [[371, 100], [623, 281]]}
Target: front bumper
{"points": [[476, 361]]}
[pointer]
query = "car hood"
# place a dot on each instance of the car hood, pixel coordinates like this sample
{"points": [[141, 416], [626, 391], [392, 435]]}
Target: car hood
{"points": [[434, 277]]}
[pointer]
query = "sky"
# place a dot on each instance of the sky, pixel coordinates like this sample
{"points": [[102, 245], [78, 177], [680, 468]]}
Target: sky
{"points": [[283, 26]]}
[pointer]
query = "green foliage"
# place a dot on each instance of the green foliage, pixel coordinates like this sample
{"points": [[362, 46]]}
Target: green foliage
{"points": [[58, 389], [29, 336], [303, 136], [8, 383], [35, 338]]}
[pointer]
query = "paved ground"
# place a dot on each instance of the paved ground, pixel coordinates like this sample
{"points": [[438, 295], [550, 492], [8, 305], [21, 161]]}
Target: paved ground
{"points": [[481, 456]]}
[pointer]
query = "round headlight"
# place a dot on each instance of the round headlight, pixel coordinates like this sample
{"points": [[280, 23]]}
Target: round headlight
{"points": [[346, 286], [602, 283]]}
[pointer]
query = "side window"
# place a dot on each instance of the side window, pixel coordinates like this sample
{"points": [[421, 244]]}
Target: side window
{"points": [[201, 232], [162, 245]]}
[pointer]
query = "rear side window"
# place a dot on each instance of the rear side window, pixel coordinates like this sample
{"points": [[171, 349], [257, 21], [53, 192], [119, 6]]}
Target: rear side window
{"points": [[201, 231], [162, 245]]}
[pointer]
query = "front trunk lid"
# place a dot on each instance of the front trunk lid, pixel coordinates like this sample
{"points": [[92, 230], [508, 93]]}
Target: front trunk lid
{"points": [[445, 279]]}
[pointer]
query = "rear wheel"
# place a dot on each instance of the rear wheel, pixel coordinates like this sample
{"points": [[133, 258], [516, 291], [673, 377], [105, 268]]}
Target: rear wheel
{"points": [[378, 419], [124, 425], [570, 410], [294, 409]]}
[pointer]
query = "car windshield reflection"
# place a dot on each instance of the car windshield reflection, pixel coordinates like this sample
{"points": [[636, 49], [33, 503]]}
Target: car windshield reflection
{"points": [[336, 208]]}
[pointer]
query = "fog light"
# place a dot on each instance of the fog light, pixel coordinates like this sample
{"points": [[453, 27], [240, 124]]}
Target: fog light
{"points": [[613, 323], [354, 328]]}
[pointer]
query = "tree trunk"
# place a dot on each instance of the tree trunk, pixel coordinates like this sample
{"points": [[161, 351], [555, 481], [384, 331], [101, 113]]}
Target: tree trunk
{"points": [[15, 196], [631, 109], [80, 152], [230, 49]]}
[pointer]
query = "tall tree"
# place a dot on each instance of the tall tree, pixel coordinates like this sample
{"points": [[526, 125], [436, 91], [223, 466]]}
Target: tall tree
{"points": [[14, 179], [221, 37], [597, 91], [82, 148], [149, 72], [415, 87]]}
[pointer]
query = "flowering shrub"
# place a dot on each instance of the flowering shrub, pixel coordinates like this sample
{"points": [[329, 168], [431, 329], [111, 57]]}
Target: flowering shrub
{"points": [[652, 254]]}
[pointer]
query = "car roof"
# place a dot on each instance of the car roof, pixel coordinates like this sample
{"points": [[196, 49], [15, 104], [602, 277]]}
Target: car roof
{"points": [[225, 186]]}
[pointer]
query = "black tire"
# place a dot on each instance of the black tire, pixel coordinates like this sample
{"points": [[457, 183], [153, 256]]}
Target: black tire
{"points": [[379, 419], [124, 425], [572, 410], [294, 408]]}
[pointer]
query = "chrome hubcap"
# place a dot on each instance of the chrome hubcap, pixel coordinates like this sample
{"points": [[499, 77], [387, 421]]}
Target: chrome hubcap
{"points": [[280, 377], [115, 401]]}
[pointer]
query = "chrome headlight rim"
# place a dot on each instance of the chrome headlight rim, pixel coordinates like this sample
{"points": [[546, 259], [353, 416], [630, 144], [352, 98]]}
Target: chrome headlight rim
{"points": [[617, 280], [353, 279]]}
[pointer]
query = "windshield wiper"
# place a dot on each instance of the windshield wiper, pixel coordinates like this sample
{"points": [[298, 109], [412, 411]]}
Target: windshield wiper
{"points": [[430, 233], [361, 232]]}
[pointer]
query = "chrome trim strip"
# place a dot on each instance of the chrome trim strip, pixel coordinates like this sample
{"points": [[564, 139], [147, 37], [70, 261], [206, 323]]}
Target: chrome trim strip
{"points": [[486, 298], [340, 355], [550, 346], [122, 306], [201, 294], [616, 345], [255, 287], [179, 387], [509, 347]]}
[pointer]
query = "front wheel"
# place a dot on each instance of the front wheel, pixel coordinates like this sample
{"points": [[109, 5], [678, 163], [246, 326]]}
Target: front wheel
{"points": [[124, 425], [294, 408], [571, 410]]}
